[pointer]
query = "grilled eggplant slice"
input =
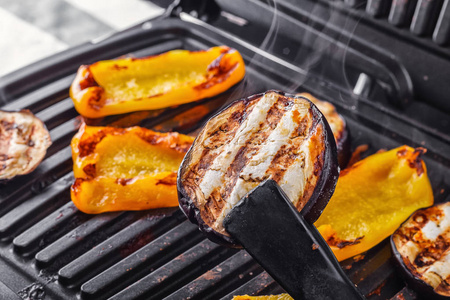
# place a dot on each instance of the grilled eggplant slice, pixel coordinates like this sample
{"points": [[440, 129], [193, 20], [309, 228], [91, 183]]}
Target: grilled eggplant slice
{"points": [[271, 135], [23, 143], [421, 247], [338, 126]]}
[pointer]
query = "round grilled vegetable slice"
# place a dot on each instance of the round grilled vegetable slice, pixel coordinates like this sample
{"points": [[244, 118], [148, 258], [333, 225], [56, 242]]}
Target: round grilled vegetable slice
{"points": [[338, 127], [271, 135], [421, 247], [23, 143]]}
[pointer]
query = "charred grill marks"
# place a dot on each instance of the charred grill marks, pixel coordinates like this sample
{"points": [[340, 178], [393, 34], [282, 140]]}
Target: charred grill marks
{"points": [[215, 175], [279, 138], [423, 242], [253, 145], [213, 138], [23, 143]]}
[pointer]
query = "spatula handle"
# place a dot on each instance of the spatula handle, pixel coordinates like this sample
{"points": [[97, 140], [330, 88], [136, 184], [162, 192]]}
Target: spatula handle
{"points": [[291, 250]]}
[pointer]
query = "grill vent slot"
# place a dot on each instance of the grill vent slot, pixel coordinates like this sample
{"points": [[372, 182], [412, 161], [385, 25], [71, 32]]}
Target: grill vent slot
{"points": [[425, 18]]}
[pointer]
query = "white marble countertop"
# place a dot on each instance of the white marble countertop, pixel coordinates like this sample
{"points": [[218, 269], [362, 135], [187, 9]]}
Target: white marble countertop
{"points": [[31, 30]]}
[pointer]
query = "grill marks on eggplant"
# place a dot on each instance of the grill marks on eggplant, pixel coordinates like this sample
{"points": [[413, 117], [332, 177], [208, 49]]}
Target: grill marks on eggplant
{"points": [[337, 125], [422, 244], [23, 143], [241, 176], [277, 137], [252, 147], [315, 157], [212, 138], [229, 163]]}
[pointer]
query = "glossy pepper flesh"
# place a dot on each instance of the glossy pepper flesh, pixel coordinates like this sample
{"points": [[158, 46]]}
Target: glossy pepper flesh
{"points": [[125, 169], [176, 77], [372, 198]]}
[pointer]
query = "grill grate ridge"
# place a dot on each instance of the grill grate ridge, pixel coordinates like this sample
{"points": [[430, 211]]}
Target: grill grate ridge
{"points": [[378, 278], [80, 239], [115, 248], [58, 113], [221, 279], [61, 137], [23, 187], [48, 229], [178, 272], [132, 268], [369, 264], [43, 97], [35, 208]]}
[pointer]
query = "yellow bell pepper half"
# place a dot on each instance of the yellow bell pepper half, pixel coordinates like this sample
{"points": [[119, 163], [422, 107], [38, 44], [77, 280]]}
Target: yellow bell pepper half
{"points": [[176, 77], [372, 198], [125, 169]]}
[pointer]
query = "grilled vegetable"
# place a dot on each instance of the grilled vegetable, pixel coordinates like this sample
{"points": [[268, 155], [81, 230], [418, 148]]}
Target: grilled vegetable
{"points": [[372, 198], [272, 135], [125, 169], [23, 143], [421, 247], [172, 78], [338, 126]]}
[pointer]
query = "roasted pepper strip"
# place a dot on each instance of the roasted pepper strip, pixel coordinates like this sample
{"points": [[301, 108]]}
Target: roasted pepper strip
{"points": [[176, 77], [372, 198], [125, 169]]}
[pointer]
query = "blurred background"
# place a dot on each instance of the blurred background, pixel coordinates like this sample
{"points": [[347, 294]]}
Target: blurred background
{"points": [[31, 30]]}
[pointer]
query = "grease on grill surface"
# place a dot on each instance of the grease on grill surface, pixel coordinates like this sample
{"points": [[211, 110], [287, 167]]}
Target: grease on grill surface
{"points": [[23, 143], [423, 243], [270, 136]]}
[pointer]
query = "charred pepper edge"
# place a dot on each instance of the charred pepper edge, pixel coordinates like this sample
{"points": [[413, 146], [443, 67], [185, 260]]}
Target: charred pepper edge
{"points": [[86, 169], [88, 79], [86, 145], [411, 279], [404, 149], [89, 97], [311, 211]]}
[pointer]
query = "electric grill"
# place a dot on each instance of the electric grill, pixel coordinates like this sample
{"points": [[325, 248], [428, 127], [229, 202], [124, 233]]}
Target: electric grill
{"points": [[390, 84]]}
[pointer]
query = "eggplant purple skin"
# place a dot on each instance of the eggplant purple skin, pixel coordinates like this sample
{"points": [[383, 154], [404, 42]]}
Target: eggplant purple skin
{"points": [[313, 208], [417, 284]]}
